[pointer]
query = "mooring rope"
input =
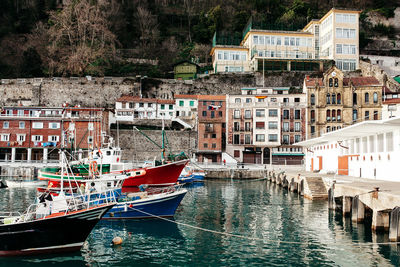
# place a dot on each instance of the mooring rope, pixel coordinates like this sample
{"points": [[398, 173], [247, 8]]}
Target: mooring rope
{"points": [[261, 239]]}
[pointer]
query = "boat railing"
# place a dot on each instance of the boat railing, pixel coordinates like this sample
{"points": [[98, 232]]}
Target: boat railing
{"points": [[5, 214], [67, 204]]}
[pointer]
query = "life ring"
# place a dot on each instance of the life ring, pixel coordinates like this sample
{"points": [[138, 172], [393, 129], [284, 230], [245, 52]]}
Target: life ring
{"points": [[93, 167]]}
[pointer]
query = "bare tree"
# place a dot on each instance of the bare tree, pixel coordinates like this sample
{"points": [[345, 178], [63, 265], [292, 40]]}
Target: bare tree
{"points": [[80, 38], [189, 10], [148, 27]]}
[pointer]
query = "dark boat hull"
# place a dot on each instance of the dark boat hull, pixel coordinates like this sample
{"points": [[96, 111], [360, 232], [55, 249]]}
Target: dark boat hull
{"points": [[50, 235]]}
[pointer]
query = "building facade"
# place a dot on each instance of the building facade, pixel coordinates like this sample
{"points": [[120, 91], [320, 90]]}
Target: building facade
{"points": [[186, 108], [257, 130], [333, 37], [34, 134], [211, 128], [335, 101]]}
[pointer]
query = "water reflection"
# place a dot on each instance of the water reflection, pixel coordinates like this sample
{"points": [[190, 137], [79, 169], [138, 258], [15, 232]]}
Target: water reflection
{"points": [[294, 232]]}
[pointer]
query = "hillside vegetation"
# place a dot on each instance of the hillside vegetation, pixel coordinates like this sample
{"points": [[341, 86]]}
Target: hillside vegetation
{"points": [[104, 37]]}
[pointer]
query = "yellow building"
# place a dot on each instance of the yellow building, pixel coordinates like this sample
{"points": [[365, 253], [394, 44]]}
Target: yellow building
{"points": [[333, 37], [335, 101]]}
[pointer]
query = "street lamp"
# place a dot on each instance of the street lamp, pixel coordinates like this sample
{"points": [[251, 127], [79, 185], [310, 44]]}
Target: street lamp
{"points": [[141, 78]]}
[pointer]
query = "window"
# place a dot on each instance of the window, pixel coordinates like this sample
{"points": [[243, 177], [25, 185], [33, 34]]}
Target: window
{"points": [[181, 103], [328, 115], [6, 125], [20, 137], [260, 137], [260, 113], [162, 106], [204, 113], [354, 98], [333, 98], [213, 135], [247, 126], [328, 98], [56, 125], [285, 139], [354, 115], [20, 113], [330, 82], [141, 105], [236, 153], [333, 115], [53, 138], [247, 139], [37, 138], [297, 138], [297, 114], [236, 114], [171, 107], [236, 126], [272, 125], [285, 100], [339, 99], [312, 99], [260, 125], [366, 115], [339, 115], [131, 105], [149, 105], [285, 114], [375, 98], [37, 125], [236, 139], [297, 127], [366, 98], [273, 113], [336, 82], [272, 137], [376, 116], [247, 114], [214, 145], [219, 113], [191, 103], [237, 100], [205, 145], [212, 114], [205, 135], [312, 116], [286, 127], [5, 137]]}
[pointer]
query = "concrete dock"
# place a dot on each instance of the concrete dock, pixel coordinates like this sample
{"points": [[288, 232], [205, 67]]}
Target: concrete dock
{"points": [[353, 196]]}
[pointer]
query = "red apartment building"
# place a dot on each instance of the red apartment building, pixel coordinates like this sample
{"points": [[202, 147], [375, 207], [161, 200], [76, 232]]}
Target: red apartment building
{"points": [[211, 127], [32, 134]]}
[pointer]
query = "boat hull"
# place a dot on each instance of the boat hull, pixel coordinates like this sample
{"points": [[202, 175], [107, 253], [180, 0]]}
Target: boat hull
{"points": [[23, 184], [50, 235], [163, 205], [162, 175]]}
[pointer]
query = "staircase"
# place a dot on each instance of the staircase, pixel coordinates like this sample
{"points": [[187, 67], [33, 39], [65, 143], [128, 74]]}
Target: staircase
{"points": [[315, 188], [183, 123]]}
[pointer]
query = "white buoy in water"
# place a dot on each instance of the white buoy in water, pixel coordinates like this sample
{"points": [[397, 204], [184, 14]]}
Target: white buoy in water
{"points": [[117, 240]]}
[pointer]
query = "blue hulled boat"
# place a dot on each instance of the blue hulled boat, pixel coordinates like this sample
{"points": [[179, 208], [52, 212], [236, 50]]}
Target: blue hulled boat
{"points": [[147, 204]]}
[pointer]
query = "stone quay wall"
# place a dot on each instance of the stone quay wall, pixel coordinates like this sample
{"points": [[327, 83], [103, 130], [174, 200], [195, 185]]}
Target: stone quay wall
{"points": [[137, 147]]}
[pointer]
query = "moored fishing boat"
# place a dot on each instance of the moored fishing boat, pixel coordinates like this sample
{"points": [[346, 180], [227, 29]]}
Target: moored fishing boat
{"points": [[190, 174], [147, 204], [20, 183]]}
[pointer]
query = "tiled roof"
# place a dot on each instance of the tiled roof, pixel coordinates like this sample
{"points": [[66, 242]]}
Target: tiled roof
{"points": [[387, 91], [137, 99], [361, 81], [392, 101], [311, 82], [211, 97], [186, 96]]}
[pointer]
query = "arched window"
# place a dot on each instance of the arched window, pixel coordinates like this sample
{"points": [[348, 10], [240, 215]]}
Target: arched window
{"points": [[312, 99], [333, 98], [339, 115], [366, 98], [339, 99], [328, 115], [336, 82], [333, 115], [330, 82], [328, 129], [328, 98], [354, 98], [312, 115], [375, 98]]}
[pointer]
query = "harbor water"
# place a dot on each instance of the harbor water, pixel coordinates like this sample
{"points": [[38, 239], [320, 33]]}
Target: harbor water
{"points": [[225, 223]]}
